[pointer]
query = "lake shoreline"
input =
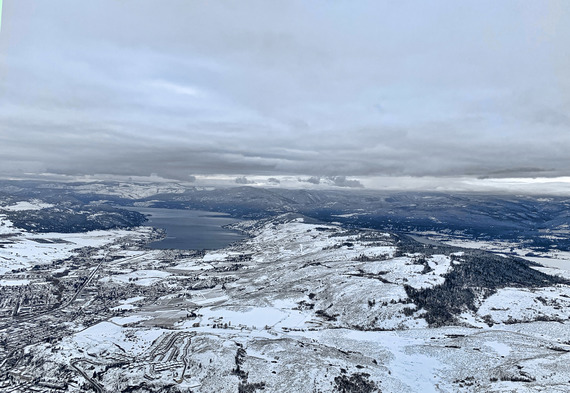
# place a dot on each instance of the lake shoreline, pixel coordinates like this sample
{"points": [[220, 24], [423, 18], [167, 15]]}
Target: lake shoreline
{"points": [[190, 229]]}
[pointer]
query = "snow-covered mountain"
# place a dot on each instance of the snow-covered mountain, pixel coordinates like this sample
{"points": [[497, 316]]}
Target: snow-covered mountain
{"points": [[299, 306]]}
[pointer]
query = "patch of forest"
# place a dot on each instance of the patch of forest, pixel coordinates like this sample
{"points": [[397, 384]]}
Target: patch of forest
{"points": [[478, 274]]}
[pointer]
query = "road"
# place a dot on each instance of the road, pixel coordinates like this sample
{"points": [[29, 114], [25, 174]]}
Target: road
{"points": [[96, 385]]}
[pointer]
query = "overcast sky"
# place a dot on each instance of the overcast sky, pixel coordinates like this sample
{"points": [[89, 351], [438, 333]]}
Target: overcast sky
{"points": [[329, 90]]}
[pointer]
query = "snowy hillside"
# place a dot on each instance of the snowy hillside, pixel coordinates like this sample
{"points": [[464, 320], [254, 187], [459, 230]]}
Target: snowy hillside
{"points": [[299, 306]]}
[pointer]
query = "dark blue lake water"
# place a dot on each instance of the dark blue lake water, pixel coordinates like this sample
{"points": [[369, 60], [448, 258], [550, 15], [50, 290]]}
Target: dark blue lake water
{"points": [[190, 229]]}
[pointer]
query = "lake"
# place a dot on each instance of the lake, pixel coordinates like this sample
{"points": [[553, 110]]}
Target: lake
{"points": [[190, 229]]}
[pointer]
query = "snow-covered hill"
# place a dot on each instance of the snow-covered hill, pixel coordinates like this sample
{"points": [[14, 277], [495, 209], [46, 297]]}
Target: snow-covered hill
{"points": [[299, 306]]}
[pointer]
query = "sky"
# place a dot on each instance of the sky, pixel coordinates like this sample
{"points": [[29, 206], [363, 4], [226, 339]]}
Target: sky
{"points": [[341, 93]]}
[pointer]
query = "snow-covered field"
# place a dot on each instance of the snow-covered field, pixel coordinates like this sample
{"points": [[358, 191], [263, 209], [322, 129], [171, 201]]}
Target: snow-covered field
{"points": [[26, 205], [29, 249], [296, 307], [138, 277], [555, 259]]}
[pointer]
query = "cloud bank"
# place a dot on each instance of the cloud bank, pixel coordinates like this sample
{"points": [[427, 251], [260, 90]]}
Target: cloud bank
{"points": [[320, 90]]}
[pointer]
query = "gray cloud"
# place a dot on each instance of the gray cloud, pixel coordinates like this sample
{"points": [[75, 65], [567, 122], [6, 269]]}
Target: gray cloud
{"points": [[342, 181], [243, 180], [312, 180], [338, 181], [320, 90], [518, 172]]}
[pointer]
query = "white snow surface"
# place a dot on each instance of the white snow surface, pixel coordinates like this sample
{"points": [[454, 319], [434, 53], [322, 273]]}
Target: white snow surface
{"points": [[26, 205], [29, 249], [309, 305]]}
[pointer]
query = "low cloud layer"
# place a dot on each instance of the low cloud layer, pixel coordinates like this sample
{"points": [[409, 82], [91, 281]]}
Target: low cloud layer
{"points": [[331, 90], [243, 180], [338, 181]]}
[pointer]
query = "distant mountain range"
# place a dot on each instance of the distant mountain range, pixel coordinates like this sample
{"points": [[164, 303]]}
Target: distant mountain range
{"points": [[539, 222]]}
